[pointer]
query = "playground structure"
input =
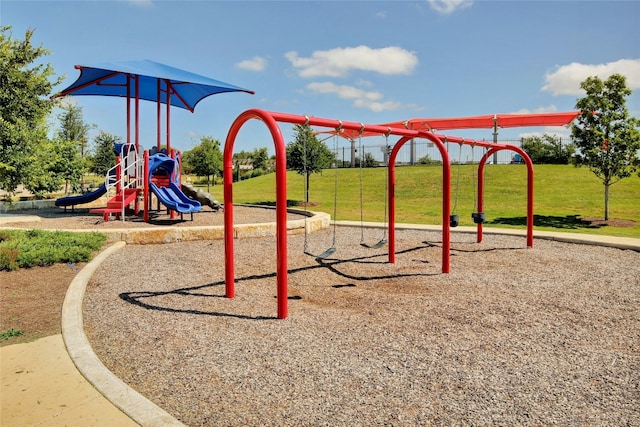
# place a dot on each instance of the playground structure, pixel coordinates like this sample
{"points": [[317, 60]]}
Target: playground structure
{"points": [[271, 120], [139, 175], [134, 179]]}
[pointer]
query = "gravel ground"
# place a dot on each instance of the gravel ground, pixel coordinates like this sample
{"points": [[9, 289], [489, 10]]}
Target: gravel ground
{"points": [[512, 336]]}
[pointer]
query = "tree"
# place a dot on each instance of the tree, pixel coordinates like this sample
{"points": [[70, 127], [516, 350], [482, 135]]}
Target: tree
{"points": [[104, 155], [548, 149], [368, 162], [76, 131], [55, 162], [69, 166], [260, 157], [307, 155], [607, 139], [39, 177], [73, 128], [242, 155], [25, 104], [205, 159]]}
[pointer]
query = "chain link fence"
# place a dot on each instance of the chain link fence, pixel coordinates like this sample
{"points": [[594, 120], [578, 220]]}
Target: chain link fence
{"points": [[420, 151], [417, 152]]}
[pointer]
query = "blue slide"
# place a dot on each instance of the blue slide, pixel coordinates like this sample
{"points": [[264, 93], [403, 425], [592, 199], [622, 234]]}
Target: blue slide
{"points": [[82, 198], [94, 195], [171, 196]]}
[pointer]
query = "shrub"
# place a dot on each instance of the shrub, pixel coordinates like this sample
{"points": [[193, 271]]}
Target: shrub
{"points": [[29, 248], [427, 160], [9, 259], [548, 150]]}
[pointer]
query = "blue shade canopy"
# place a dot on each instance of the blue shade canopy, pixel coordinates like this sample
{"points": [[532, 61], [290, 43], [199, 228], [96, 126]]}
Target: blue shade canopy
{"points": [[186, 89]]}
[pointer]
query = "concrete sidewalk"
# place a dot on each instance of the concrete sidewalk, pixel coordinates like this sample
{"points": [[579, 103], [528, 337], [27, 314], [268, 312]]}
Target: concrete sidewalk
{"points": [[40, 386]]}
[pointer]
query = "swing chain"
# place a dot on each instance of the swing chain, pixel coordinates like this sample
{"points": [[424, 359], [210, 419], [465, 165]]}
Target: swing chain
{"points": [[382, 241], [455, 202], [305, 186], [335, 190]]}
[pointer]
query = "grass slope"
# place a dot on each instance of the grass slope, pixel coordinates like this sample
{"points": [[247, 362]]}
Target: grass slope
{"points": [[563, 195]]}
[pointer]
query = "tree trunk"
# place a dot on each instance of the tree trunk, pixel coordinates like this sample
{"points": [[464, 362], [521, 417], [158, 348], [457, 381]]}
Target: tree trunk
{"points": [[208, 187], [306, 189], [606, 202]]}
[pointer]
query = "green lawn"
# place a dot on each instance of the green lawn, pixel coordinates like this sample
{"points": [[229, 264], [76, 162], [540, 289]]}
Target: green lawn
{"points": [[563, 195]]}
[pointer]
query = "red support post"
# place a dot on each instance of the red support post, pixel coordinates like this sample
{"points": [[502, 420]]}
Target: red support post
{"points": [[158, 117], [168, 114], [119, 172], [137, 112], [171, 153], [128, 108], [147, 202]]}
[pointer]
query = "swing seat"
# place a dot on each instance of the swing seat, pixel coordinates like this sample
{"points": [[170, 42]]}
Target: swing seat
{"points": [[378, 245], [454, 220], [478, 217], [326, 253]]}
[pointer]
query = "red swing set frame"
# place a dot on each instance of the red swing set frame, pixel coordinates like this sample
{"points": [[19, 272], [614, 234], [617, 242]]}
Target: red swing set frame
{"points": [[401, 129]]}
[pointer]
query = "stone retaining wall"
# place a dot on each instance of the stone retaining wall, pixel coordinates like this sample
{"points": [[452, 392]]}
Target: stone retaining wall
{"points": [[26, 204]]}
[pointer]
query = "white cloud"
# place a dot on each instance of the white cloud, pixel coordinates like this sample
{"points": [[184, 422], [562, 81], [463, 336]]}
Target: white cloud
{"points": [[566, 79], [549, 109], [364, 83], [361, 98], [377, 107], [257, 63], [447, 7], [339, 61], [343, 91]]}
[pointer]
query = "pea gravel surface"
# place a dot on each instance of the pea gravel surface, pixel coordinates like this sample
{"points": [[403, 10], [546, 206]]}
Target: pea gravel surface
{"points": [[548, 335]]}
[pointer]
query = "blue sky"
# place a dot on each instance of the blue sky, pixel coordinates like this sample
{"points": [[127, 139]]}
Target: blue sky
{"points": [[360, 61]]}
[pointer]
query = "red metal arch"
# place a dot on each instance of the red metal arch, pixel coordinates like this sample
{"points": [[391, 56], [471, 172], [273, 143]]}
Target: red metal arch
{"points": [[529, 164], [446, 197], [281, 205]]}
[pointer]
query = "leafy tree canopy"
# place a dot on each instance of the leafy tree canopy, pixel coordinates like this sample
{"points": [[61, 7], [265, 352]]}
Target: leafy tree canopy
{"points": [[104, 156], [307, 155], [204, 159], [260, 157], [548, 149], [25, 104], [73, 128], [606, 137]]}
